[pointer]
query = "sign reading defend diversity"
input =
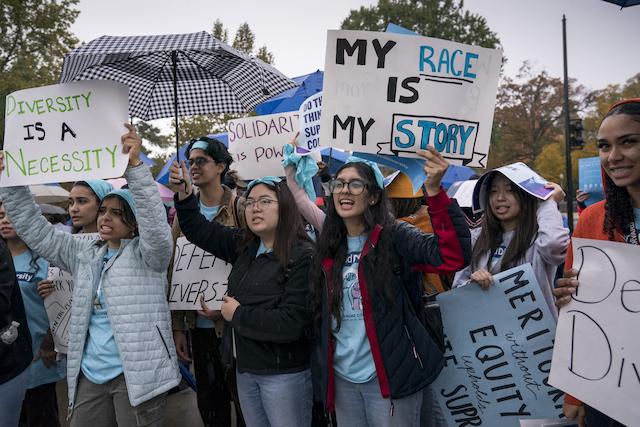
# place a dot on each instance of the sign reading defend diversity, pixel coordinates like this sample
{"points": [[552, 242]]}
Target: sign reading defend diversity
{"points": [[196, 273], [257, 143], [596, 357], [65, 132], [498, 353], [393, 94]]}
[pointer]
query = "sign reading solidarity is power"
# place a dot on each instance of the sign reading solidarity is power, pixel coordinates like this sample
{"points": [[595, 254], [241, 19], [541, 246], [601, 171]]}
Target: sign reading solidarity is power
{"points": [[65, 132], [387, 93]]}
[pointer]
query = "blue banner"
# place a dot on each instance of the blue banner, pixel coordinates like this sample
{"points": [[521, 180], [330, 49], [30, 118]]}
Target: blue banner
{"points": [[590, 177], [499, 344]]}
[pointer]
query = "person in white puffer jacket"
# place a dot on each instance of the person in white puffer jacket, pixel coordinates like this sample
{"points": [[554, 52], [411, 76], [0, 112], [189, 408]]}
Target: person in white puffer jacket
{"points": [[121, 360]]}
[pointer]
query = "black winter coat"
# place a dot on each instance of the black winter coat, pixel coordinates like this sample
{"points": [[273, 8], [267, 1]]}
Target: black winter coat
{"points": [[270, 325], [14, 358]]}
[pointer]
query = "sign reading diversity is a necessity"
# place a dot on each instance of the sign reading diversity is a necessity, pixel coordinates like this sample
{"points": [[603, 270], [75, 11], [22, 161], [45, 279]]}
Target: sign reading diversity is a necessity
{"points": [[65, 132]]}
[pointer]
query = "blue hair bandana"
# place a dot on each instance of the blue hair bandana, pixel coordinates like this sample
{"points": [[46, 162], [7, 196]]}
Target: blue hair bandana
{"points": [[267, 180], [372, 165], [306, 169], [202, 145], [126, 196], [100, 187]]}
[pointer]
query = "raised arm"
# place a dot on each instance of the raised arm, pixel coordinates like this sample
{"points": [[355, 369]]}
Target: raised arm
{"points": [[313, 214]]}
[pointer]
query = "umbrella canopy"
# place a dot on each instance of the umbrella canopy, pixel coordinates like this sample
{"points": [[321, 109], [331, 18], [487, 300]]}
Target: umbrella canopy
{"points": [[456, 173], [49, 193], [209, 76], [624, 3], [292, 99]]}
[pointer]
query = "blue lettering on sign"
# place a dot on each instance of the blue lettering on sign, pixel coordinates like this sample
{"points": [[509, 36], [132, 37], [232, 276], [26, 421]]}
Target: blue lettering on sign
{"points": [[445, 136], [455, 63]]}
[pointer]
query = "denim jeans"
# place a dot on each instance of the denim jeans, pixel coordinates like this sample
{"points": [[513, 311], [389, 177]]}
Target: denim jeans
{"points": [[11, 396], [362, 405], [431, 414], [278, 400]]}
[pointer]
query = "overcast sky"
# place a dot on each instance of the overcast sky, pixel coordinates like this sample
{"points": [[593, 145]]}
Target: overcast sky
{"points": [[603, 40]]}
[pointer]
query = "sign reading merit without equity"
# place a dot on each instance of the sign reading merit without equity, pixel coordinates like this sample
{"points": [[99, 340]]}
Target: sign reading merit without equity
{"points": [[65, 132], [498, 350], [596, 357], [196, 273], [393, 94]]}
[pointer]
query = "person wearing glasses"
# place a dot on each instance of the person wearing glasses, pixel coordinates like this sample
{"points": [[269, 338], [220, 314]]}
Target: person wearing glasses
{"points": [[266, 309], [376, 357], [209, 163]]}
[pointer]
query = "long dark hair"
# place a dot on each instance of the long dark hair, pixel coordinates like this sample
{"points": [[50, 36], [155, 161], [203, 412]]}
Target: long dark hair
{"points": [[332, 242], [618, 207], [491, 231], [290, 228]]}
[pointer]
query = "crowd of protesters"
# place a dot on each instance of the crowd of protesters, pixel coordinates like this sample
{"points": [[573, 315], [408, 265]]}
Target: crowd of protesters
{"points": [[326, 318]]}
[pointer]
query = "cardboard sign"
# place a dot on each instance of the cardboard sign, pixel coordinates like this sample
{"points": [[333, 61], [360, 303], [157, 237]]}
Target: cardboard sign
{"points": [[310, 113], [196, 273], [596, 357], [590, 177], [499, 344], [387, 93], [65, 132], [518, 173], [257, 143], [58, 303]]}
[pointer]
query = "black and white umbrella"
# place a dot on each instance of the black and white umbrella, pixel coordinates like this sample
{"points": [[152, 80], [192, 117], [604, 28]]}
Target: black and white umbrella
{"points": [[177, 74]]}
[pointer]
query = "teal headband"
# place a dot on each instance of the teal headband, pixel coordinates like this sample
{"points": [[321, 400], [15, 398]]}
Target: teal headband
{"points": [[372, 165], [126, 196], [203, 145], [267, 180], [100, 187]]}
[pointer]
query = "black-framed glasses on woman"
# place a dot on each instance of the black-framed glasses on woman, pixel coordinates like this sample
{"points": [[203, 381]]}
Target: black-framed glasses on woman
{"points": [[355, 187], [262, 203]]}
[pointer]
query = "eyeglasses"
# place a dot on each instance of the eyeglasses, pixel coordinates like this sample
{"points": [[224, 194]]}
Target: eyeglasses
{"points": [[354, 187], [261, 203], [198, 161]]}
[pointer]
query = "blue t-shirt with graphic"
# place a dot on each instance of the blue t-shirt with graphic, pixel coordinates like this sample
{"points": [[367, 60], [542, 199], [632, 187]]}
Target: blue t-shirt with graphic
{"points": [[209, 212], [101, 359], [352, 358], [29, 274], [499, 253]]}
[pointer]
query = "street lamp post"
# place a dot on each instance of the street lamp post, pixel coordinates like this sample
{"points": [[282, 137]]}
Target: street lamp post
{"points": [[567, 144]]}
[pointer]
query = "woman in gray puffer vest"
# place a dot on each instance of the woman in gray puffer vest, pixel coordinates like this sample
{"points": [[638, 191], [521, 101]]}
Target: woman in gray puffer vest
{"points": [[121, 360]]}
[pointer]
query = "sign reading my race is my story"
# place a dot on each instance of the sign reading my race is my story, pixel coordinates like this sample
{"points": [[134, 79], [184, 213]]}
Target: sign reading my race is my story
{"points": [[257, 143], [65, 132], [195, 273], [596, 357], [498, 351], [387, 93]]}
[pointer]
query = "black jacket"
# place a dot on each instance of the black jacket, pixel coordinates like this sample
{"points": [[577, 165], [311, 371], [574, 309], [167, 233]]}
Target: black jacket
{"points": [[271, 322], [405, 356], [14, 358]]}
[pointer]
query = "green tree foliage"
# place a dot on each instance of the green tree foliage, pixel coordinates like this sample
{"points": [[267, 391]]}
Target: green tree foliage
{"points": [[244, 39], [443, 19], [219, 32], [34, 37], [264, 55]]}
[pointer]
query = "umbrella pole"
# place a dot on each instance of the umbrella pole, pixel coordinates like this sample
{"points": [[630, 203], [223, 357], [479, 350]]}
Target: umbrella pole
{"points": [[174, 66]]}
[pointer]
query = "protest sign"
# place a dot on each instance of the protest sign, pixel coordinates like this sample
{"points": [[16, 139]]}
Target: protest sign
{"points": [[462, 191], [65, 132], [196, 273], [310, 113], [257, 143], [387, 93], [590, 177], [498, 353], [58, 303], [518, 173], [596, 357]]}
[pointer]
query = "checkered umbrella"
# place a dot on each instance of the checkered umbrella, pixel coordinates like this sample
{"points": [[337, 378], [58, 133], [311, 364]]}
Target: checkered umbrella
{"points": [[177, 74]]}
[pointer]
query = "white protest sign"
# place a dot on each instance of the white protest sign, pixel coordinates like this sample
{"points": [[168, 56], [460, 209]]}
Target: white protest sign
{"points": [[58, 303], [518, 173], [257, 143], [65, 132], [387, 93], [195, 273], [596, 357], [310, 113]]}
